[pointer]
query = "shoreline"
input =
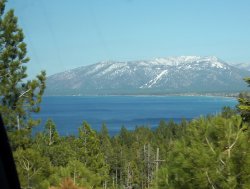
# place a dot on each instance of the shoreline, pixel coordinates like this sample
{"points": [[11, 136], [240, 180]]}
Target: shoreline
{"points": [[224, 95]]}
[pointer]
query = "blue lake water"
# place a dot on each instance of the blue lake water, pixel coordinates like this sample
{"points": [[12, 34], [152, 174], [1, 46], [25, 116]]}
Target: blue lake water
{"points": [[68, 112]]}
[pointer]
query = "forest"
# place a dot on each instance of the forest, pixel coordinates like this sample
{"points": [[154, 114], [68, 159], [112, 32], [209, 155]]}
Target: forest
{"points": [[208, 152]]}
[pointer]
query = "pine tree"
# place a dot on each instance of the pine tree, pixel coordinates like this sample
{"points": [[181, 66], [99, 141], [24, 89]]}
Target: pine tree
{"points": [[105, 143], [19, 97], [33, 168], [244, 103], [79, 174], [89, 151], [212, 154], [50, 132]]}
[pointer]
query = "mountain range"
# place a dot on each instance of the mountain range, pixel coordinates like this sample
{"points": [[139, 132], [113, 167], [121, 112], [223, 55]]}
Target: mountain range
{"points": [[183, 74]]}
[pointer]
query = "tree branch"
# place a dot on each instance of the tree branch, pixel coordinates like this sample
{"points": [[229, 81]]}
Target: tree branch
{"points": [[210, 145], [24, 93], [237, 136], [209, 180]]}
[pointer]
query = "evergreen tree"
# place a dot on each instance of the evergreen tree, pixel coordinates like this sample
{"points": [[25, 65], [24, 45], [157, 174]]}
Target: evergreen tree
{"points": [[105, 144], [244, 103], [78, 173], [59, 154], [89, 151], [33, 168], [19, 97], [50, 132], [213, 154]]}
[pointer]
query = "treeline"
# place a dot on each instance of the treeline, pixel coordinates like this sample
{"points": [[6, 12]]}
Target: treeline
{"points": [[208, 152]]}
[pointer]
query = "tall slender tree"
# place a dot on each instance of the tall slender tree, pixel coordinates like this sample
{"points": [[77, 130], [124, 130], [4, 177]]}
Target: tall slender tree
{"points": [[89, 151], [19, 96], [50, 132]]}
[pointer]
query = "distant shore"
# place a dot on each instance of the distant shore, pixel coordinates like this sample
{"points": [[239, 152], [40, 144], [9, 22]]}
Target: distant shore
{"points": [[229, 95]]}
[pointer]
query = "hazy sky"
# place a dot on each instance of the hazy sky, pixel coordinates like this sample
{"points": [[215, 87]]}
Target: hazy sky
{"points": [[64, 34]]}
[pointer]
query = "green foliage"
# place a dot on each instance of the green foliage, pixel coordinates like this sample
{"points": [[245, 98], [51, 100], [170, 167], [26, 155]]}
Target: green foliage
{"points": [[32, 167], [89, 150], [209, 152], [105, 143], [67, 183], [18, 97], [244, 103], [211, 155], [80, 175], [228, 112], [50, 133], [60, 154], [20, 139]]}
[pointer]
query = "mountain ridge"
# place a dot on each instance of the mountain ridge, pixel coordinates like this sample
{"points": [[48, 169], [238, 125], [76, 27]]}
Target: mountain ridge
{"points": [[159, 75]]}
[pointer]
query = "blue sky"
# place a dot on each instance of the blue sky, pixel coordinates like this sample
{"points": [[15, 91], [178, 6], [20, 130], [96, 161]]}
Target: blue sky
{"points": [[64, 34]]}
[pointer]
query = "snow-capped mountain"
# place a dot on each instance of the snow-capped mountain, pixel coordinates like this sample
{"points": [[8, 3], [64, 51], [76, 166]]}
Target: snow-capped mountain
{"points": [[156, 76]]}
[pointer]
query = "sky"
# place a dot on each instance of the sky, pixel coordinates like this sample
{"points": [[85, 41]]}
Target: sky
{"points": [[66, 34]]}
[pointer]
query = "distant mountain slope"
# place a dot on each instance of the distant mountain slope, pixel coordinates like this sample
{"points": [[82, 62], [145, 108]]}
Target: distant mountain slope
{"points": [[244, 66], [157, 76]]}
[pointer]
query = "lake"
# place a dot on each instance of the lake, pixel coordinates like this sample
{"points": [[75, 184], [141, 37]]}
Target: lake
{"points": [[68, 112]]}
